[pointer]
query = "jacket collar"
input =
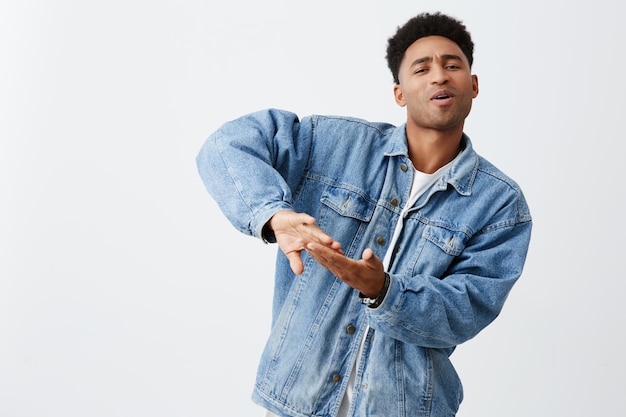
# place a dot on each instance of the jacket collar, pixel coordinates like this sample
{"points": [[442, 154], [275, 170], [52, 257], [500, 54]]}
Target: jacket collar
{"points": [[461, 174]]}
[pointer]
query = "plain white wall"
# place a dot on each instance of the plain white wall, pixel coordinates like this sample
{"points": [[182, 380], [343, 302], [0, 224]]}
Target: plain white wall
{"points": [[123, 290]]}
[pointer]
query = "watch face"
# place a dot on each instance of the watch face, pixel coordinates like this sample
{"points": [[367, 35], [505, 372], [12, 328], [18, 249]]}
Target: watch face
{"points": [[368, 301]]}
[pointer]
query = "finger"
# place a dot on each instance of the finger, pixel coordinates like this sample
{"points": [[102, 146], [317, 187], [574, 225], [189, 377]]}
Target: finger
{"points": [[327, 257], [303, 218], [296, 265], [315, 234], [336, 246], [316, 250], [368, 254], [295, 262], [318, 235], [371, 260]]}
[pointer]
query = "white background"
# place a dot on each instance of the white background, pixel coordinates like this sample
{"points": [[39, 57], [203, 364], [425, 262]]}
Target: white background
{"points": [[125, 292]]}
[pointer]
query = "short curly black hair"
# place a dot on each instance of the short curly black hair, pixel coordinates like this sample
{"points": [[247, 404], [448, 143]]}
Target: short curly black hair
{"points": [[422, 25]]}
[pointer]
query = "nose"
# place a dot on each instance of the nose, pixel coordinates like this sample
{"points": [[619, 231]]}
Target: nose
{"points": [[438, 74]]}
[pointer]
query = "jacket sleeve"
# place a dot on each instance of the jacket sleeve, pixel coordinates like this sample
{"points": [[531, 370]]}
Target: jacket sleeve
{"points": [[444, 312], [251, 165]]}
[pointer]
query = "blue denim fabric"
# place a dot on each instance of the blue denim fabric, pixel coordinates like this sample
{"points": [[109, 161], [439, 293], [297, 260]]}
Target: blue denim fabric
{"points": [[462, 248]]}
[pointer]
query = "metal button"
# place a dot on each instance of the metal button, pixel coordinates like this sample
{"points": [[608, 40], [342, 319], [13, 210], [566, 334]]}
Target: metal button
{"points": [[404, 167], [351, 329], [336, 378], [394, 202], [380, 240]]}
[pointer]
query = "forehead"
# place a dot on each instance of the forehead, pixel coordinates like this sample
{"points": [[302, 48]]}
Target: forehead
{"points": [[432, 47]]}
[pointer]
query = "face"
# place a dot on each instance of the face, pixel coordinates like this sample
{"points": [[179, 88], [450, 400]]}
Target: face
{"points": [[436, 85]]}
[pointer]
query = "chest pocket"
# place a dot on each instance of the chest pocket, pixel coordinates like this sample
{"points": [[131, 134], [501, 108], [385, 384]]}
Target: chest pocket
{"points": [[450, 241], [348, 203]]}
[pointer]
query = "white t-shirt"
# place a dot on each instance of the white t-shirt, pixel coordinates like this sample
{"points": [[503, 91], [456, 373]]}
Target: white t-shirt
{"points": [[421, 182]]}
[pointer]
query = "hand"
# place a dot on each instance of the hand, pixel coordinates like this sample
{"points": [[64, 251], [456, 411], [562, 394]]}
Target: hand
{"points": [[366, 275], [294, 231]]}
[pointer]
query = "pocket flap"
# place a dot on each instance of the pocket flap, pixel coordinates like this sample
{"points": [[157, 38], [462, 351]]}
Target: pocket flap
{"points": [[450, 241], [348, 203]]}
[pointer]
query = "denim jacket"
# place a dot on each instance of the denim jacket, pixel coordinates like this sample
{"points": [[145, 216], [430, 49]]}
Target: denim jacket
{"points": [[462, 247]]}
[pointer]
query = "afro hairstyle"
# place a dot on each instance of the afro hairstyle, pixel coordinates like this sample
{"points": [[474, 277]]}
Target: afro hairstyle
{"points": [[420, 26]]}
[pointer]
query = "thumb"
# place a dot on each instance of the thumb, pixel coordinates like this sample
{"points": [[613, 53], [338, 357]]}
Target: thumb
{"points": [[295, 262], [369, 257]]}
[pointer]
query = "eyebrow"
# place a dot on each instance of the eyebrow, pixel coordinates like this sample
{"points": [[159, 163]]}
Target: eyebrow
{"points": [[445, 57]]}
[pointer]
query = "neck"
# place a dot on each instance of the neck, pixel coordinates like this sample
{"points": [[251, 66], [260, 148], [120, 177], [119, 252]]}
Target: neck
{"points": [[432, 149]]}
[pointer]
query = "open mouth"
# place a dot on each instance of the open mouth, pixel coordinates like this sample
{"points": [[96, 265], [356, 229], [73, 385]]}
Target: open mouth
{"points": [[442, 95]]}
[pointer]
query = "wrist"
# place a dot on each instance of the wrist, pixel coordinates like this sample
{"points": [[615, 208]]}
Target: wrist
{"points": [[375, 302]]}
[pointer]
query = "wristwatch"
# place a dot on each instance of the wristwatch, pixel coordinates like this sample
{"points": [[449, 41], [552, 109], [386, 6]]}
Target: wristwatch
{"points": [[375, 302]]}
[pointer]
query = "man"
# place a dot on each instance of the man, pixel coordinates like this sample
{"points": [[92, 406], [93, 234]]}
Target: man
{"points": [[397, 243]]}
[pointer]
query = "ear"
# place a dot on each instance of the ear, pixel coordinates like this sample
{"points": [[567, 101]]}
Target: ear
{"points": [[398, 95], [475, 85]]}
